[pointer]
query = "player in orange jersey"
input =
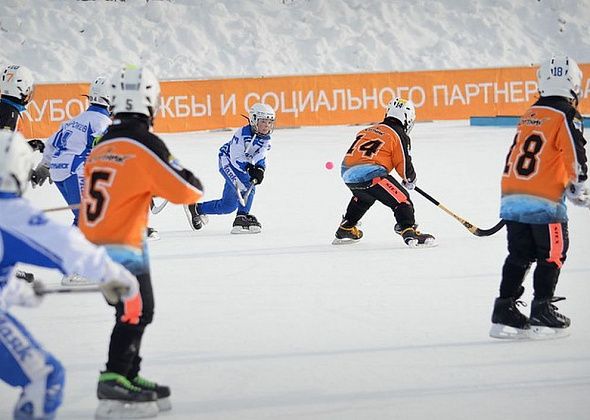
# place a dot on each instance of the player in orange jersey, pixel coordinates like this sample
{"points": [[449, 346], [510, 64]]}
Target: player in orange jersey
{"points": [[126, 168], [546, 163], [376, 151]]}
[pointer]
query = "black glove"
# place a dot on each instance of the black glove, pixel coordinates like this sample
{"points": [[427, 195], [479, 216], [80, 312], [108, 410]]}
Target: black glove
{"points": [[256, 173], [40, 174], [37, 144]]}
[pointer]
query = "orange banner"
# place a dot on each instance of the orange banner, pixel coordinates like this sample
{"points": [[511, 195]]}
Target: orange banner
{"points": [[191, 105]]}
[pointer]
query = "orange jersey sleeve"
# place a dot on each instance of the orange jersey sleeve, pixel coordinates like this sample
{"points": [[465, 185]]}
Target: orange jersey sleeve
{"points": [[381, 145], [121, 177], [545, 156], [25, 128]]}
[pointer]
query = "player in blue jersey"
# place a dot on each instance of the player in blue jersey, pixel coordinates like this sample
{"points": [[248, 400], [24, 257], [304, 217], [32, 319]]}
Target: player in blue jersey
{"points": [[242, 162], [27, 236], [67, 149]]}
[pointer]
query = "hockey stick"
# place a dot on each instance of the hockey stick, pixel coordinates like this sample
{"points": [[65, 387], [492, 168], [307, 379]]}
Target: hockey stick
{"points": [[243, 199], [158, 208], [470, 227], [41, 290], [70, 207]]}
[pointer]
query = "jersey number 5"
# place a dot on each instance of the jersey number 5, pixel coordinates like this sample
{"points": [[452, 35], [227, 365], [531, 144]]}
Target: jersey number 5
{"points": [[97, 198], [527, 160]]}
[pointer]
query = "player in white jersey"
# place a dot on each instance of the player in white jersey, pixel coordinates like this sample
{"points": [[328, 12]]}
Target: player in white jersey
{"points": [[27, 236], [67, 149], [242, 162]]}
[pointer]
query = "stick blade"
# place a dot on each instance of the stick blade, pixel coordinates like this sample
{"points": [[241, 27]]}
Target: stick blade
{"points": [[490, 231]]}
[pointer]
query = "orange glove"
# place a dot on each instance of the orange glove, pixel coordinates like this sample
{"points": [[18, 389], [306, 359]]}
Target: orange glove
{"points": [[132, 309]]}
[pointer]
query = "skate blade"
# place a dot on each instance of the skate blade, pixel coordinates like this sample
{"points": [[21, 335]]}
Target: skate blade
{"points": [[538, 332], [428, 243], [116, 409], [508, 333], [238, 230], [344, 241], [75, 280], [164, 404]]}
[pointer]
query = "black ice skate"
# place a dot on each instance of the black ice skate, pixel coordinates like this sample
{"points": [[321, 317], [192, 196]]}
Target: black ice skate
{"points": [[413, 238], [546, 322], [195, 219], [246, 223], [162, 391], [119, 398], [508, 321], [347, 235]]}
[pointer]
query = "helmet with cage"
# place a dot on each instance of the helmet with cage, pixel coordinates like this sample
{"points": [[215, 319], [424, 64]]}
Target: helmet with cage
{"points": [[17, 82], [402, 110], [262, 118], [135, 90], [99, 93], [560, 76]]}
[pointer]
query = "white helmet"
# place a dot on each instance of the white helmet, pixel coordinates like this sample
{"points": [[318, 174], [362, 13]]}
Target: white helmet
{"points": [[135, 89], [402, 110], [560, 76], [260, 111], [16, 162], [17, 81], [100, 93]]}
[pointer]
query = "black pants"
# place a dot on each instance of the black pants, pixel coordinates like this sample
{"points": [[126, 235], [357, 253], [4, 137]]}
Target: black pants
{"points": [[546, 245], [387, 191], [126, 338]]}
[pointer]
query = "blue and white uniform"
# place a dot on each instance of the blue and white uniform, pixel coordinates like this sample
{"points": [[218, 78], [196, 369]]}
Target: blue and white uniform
{"points": [[244, 148], [67, 150], [27, 236]]}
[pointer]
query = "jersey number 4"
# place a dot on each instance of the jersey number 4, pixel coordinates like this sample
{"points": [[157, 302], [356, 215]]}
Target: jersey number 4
{"points": [[527, 161], [97, 199], [368, 148]]}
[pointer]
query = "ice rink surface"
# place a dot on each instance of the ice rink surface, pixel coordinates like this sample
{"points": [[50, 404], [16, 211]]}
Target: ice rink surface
{"points": [[283, 325]]}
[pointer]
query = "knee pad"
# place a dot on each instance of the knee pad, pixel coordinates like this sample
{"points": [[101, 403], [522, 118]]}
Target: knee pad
{"points": [[42, 397]]}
